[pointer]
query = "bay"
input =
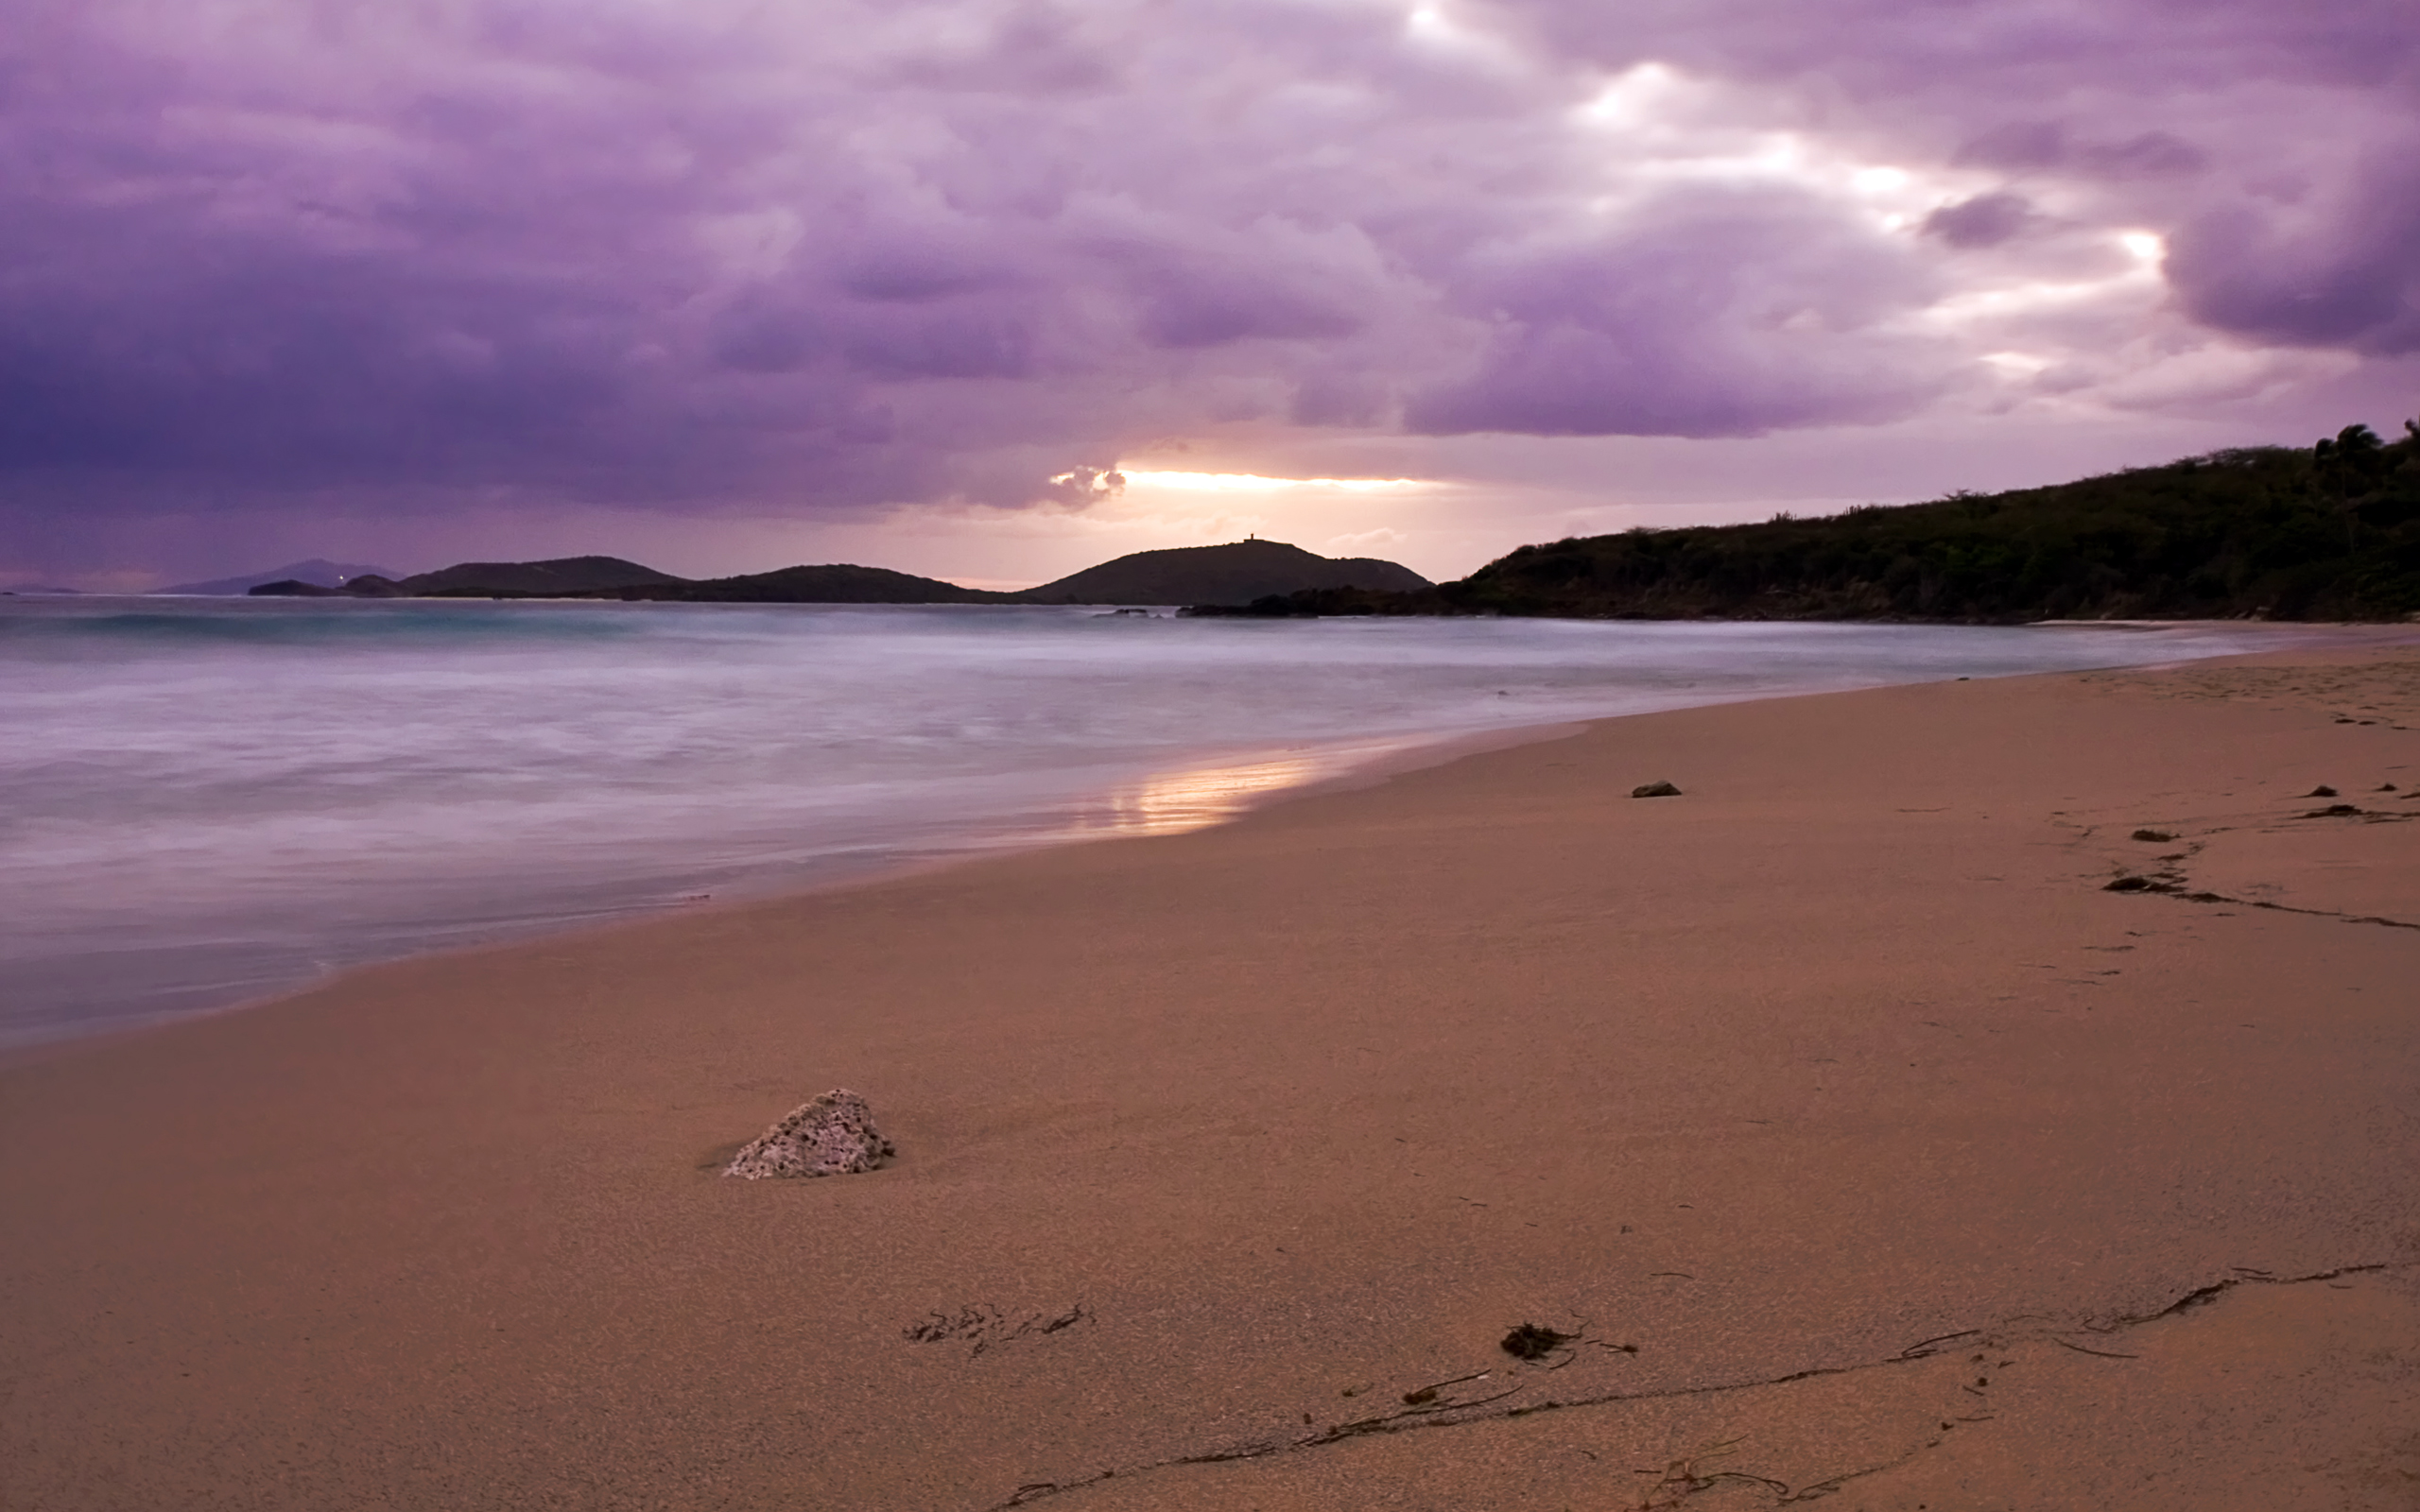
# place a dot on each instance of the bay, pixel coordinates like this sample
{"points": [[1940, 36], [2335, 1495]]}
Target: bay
{"points": [[206, 801]]}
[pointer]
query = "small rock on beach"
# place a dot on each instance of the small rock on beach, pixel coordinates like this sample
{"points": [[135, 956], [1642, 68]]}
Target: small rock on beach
{"points": [[831, 1135]]}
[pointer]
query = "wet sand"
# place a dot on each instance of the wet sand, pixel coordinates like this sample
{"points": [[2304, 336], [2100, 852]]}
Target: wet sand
{"points": [[1858, 1136]]}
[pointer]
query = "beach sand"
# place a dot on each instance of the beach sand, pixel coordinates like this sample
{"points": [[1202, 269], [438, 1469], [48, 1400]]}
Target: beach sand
{"points": [[1860, 1138]]}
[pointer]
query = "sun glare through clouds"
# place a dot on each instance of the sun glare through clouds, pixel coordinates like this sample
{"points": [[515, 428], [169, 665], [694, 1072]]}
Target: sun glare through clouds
{"points": [[1256, 483]]}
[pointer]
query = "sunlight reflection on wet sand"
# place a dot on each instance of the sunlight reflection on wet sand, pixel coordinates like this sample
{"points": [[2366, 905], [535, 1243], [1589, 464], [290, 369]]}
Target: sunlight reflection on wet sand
{"points": [[1196, 798]]}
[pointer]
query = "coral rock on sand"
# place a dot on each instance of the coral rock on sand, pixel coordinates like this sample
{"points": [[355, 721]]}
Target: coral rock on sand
{"points": [[834, 1135]]}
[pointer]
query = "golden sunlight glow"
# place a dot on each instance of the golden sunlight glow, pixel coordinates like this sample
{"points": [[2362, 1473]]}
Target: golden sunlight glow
{"points": [[1174, 803], [1254, 483]]}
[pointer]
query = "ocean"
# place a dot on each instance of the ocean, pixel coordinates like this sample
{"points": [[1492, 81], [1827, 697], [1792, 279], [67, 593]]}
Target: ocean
{"points": [[208, 802]]}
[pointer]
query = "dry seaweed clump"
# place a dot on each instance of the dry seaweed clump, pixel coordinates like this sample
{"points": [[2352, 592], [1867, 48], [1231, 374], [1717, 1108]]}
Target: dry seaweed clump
{"points": [[2139, 885], [832, 1135], [1529, 1341]]}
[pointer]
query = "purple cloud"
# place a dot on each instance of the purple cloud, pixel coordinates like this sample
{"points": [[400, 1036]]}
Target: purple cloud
{"points": [[1643, 334], [830, 258], [2344, 271], [1985, 220]]}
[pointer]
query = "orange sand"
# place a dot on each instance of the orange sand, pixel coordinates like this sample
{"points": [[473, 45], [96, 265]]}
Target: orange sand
{"points": [[1838, 1088]]}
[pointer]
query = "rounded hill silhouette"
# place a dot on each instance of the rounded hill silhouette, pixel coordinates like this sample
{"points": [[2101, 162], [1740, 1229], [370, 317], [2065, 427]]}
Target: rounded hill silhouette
{"points": [[1237, 572]]}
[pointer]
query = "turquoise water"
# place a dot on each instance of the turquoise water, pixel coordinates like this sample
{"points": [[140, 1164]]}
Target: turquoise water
{"points": [[204, 801]]}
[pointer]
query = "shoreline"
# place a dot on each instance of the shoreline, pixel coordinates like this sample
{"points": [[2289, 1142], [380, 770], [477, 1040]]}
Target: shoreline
{"points": [[1250, 777], [1230, 788], [1805, 1085]]}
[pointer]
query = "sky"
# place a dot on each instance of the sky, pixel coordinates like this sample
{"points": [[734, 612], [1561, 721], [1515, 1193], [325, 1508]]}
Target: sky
{"points": [[995, 290]]}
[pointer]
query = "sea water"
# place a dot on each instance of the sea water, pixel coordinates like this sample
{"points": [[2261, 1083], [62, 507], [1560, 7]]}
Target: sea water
{"points": [[204, 801]]}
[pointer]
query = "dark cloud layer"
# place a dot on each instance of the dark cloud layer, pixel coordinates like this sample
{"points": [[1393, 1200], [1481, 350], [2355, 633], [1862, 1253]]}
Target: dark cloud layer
{"points": [[2344, 271], [1643, 332], [843, 255]]}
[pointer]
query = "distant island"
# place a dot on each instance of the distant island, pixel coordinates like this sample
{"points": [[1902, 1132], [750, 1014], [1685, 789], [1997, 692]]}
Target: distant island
{"points": [[316, 572], [2329, 532], [1231, 575]]}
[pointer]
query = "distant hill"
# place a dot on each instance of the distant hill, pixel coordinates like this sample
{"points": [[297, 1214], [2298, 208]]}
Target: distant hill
{"points": [[561, 578], [1237, 572], [1234, 574], [839, 583], [611, 578], [318, 571], [2274, 532], [558, 577]]}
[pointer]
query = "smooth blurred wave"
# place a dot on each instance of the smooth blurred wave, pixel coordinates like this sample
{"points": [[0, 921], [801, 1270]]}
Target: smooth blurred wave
{"points": [[207, 802]]}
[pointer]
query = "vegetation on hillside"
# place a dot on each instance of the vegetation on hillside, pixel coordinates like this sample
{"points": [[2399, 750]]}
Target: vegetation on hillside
{"points": [[1236, 573], [835, 583], [554, 578], [2272, 532]]}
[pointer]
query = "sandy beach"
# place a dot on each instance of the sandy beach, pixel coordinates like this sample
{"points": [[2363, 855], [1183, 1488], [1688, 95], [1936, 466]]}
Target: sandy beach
{"points": [[1858, 1140]]}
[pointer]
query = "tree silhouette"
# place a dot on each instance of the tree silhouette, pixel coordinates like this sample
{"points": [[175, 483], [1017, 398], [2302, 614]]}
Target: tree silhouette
{"points": [[2349, 466]]}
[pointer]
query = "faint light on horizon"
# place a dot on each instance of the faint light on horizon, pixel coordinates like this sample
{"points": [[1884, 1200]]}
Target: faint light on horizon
{"points": [[1256, 483], [1092, 479]]}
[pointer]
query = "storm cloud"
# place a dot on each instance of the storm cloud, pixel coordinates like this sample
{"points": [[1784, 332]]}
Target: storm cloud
{"points": [[829, 258]]}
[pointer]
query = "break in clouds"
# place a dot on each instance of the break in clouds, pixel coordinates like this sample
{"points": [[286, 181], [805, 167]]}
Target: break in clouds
{"points": [[838, 255]]}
